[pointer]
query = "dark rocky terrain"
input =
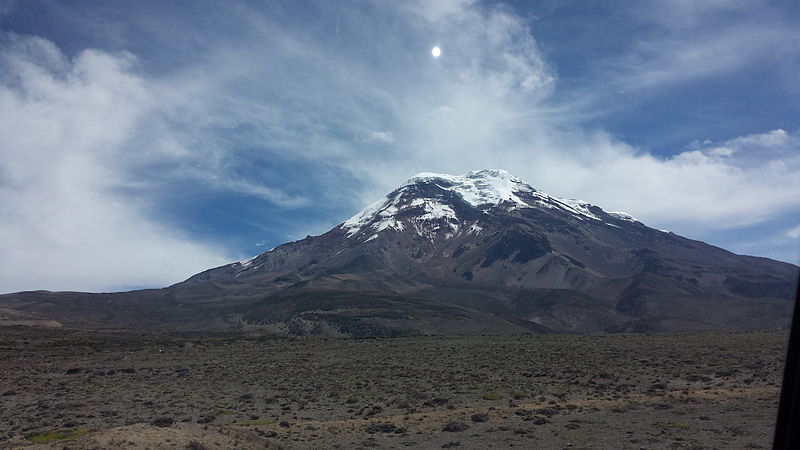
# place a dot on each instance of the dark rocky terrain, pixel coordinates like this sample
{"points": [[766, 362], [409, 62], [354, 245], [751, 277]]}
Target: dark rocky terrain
{"points": [[96, 390], [481, 253]]}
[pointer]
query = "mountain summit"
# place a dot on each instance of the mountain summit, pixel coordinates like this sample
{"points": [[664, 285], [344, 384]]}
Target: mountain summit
{"points": [[429, 199], [479, 253]]}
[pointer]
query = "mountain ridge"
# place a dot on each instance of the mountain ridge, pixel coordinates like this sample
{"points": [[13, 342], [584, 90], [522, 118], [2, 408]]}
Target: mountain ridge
{"points": [[482, 252]]}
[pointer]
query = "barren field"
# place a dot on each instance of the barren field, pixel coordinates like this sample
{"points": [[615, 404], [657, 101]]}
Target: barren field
{"points": [[72, 389]]}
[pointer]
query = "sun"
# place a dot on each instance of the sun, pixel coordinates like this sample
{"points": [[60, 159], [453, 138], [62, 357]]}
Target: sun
{"points": [[436, 51]]}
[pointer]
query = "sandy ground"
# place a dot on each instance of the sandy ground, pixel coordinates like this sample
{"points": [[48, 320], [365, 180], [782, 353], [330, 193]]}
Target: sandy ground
{"points": [[70, 389]]}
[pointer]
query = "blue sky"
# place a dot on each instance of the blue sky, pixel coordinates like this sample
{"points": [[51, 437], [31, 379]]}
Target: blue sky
{"points": [[142, 142]]}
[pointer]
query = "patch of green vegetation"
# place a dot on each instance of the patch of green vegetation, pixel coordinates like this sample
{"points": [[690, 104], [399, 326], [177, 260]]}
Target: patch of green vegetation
{"points": [[492, 396], [256, 423], [224, 412], [57, 435]]}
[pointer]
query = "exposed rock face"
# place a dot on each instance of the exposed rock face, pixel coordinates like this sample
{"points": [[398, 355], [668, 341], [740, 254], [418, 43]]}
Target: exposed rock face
{"points": [[480, 253]]}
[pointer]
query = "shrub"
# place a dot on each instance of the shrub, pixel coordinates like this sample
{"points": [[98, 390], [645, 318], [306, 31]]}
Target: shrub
{"points": [[455, 426], [194, 445], [57, 435], [163, 422], [381, 427], [480, 417]]}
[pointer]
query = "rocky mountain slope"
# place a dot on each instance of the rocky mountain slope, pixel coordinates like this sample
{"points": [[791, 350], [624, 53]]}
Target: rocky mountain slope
{"points": [[479, 253]]}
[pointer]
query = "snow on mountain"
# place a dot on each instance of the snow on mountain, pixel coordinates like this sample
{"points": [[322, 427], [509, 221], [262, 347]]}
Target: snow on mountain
{"points": [[482, 189], [381, 213], [621, 215]]}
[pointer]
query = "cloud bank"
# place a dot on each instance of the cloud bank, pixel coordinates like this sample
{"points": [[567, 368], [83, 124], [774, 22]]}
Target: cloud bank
{"points": [[65, 125]]}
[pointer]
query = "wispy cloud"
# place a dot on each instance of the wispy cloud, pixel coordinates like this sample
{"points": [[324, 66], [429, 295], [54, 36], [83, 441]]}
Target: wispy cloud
{"points": [[386, 137], [661, 47], [793, 233]]}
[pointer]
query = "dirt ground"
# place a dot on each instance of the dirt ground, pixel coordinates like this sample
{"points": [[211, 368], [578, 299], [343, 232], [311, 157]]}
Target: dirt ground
{"points": [[73, 389]]}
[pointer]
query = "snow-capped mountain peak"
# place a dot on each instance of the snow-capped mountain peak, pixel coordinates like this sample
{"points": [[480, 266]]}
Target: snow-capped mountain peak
{"points": [[409, 206], [479, 187], [482, 188]]}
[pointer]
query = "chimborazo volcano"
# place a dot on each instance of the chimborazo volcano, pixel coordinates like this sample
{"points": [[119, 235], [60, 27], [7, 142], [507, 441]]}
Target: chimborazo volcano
{"points": [[479, 253]]}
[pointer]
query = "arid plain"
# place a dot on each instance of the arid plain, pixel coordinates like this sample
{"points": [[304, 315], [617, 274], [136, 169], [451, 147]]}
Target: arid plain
{"points": [[77, 389]]}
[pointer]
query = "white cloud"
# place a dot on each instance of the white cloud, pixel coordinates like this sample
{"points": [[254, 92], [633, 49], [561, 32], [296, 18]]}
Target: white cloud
{"points": [[722, 187], [690, 191], [65, 123], [793, 233], [775, 142], [386, 137]]}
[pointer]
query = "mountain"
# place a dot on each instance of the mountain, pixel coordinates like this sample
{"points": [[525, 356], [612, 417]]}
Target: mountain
{"points": [[479, 253]]}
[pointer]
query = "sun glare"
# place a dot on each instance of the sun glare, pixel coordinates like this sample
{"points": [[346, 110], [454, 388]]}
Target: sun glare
{"points": [[436, 51]]}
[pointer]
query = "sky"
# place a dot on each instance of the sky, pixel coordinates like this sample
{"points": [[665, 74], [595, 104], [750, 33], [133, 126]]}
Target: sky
{"points": [[142, 142]]}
